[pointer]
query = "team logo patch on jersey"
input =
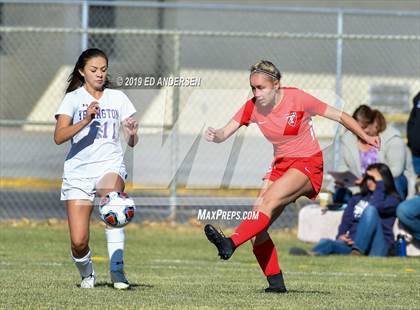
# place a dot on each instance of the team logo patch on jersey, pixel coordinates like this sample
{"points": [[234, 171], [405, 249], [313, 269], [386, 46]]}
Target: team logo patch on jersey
{"points": [[291, 119], [294, 119]]}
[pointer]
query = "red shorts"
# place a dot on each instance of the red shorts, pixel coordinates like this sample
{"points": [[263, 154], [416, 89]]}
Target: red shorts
{"points": [[312, 166]]}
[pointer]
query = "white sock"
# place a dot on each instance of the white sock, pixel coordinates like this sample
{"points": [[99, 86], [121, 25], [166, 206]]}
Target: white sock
{"points": [[115, 238], [84, 264]]}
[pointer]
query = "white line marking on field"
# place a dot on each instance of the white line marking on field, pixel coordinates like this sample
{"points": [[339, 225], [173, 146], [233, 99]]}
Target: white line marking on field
{"points": [[185, 264], [174, 262], [31, 264]]}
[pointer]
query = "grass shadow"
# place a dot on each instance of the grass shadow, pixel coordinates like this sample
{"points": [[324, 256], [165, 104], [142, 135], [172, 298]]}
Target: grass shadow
{"points": [[298, 292], [308, 292], [133, 286]]}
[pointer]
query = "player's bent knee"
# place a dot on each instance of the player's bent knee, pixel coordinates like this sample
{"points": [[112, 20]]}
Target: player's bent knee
{"points": [[79, 245], [270, 203]]}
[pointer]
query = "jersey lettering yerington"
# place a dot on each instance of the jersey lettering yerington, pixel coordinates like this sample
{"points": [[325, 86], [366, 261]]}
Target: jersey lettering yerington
{"points": [[98, 145]]}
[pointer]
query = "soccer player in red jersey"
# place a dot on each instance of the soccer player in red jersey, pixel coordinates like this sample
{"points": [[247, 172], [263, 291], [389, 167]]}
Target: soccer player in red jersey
{"points": [[283, 115]]}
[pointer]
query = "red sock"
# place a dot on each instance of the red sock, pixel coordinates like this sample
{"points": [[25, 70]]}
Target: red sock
{"points": [[266, 255], [250, 228]]}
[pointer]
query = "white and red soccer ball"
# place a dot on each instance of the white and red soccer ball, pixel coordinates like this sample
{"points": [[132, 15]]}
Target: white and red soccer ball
{"points": [[116, 209]]}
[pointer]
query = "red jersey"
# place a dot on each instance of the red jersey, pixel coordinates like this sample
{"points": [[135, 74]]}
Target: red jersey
{"points": [[288, 125]]}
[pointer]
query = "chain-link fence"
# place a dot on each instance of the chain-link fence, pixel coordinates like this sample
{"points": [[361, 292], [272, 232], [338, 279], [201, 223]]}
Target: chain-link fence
{"points": [[346, 57]]}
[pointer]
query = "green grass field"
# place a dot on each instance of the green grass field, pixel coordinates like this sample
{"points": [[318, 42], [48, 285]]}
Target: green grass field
{"points": [[175, 267]]}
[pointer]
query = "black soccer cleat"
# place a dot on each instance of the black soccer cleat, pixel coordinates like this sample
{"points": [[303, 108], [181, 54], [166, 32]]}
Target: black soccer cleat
{"points": [[277, 290], [276, 284], [224, 245]]}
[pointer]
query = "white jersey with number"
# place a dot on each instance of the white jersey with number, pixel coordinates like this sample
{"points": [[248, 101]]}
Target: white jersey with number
{"points": [[96, 149]]}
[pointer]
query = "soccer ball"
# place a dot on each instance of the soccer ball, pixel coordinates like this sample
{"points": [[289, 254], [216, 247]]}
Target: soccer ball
{"points": [[116, 209]]}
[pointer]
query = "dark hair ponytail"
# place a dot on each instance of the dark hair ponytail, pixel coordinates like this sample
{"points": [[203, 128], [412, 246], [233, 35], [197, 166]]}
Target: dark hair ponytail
{"points": [[75, 79], [387, 178]]}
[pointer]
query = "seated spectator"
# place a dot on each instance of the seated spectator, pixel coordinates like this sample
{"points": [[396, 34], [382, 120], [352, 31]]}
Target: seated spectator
{"points": [[408, 214], [366, 226], [413, 133], [356, 155], [399, 162]]}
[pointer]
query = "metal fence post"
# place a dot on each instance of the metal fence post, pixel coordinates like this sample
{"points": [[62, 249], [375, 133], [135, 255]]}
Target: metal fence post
{"points": [[338, 80], [174, 140], [85, 24]]}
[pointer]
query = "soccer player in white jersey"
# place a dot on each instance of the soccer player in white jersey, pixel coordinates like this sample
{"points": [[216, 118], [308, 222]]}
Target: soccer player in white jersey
{"points": [[91, 116]]}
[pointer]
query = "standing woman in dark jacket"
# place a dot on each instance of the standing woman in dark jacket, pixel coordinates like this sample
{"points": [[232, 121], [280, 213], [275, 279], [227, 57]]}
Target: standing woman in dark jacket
{"points": [[413, 133], [366, 226]]}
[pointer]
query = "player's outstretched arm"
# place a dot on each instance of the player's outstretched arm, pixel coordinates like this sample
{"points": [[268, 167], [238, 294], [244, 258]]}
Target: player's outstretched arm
{"points": [[130, 127], [221, 134], [64, 130], [351, 124]]}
